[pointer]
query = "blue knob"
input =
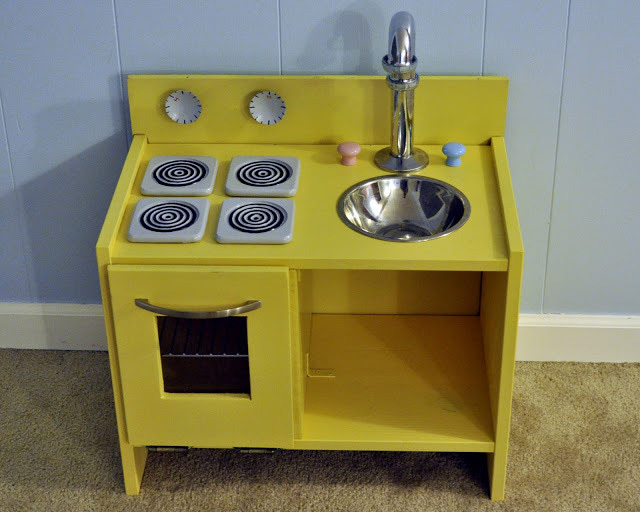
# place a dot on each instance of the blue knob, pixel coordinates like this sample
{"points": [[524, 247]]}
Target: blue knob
{"points": [[453, 151]]}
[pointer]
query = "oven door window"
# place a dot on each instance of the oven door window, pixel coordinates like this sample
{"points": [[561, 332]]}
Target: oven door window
{"points": [[204, 355], [204, 382]]}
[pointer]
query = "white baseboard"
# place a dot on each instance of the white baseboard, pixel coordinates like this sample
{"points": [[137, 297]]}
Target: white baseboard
{"points": [[592, 338], [586, 338], [52, 326]]}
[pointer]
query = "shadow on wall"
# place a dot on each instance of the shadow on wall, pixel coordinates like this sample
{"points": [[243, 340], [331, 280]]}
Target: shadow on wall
{"points": [[344, 35], [65, 206], [15, 281]]}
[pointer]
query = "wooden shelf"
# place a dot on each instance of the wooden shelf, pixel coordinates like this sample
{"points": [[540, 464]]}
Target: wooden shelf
{"points": [[398, 382]]}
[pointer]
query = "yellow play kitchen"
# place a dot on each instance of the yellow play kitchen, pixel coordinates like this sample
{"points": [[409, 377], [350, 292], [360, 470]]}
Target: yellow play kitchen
{"points": [[276, 275]]}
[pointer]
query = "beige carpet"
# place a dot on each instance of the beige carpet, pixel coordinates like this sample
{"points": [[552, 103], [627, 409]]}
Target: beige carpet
{"points": [[575, 445]]}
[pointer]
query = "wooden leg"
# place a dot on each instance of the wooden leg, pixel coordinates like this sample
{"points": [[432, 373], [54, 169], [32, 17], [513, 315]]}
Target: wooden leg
{"points": [[497, 465], [134, 459], [499, 317]]}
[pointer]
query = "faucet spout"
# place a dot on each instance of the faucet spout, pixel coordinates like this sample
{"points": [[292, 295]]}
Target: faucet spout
{"points": [[400, 63], [401, 34]]}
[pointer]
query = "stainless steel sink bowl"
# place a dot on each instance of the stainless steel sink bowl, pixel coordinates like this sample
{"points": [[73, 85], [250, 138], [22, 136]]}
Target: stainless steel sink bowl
{"points": [[403, 208]]}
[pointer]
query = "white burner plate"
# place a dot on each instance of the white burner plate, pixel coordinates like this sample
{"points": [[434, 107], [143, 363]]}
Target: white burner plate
{"points": [[159, 219], [256, 221], [181, 170], [269, 173]]}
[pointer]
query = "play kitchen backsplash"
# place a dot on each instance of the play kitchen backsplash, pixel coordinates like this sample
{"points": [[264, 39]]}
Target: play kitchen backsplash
{"points": [[246, 304]]}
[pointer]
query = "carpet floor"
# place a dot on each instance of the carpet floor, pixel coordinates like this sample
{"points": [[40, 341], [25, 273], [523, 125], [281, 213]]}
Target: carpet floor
{"points": [[575, 446]]}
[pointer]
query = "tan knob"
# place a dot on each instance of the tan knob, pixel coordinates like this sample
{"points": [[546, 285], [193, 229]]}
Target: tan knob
{"points": [[349, 152]]}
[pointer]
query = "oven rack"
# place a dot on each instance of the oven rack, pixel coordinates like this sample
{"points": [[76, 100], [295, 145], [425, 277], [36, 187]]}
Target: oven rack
{"points": [[204, 355]]}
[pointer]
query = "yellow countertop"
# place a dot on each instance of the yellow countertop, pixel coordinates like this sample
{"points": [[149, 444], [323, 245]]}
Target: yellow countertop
{"points": [[320, 239]]}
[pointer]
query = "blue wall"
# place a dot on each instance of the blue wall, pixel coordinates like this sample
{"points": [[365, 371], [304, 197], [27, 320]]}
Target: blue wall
{"points": [[572, 130]]}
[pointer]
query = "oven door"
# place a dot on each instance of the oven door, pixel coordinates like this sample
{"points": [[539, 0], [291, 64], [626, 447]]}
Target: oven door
{"points": [[204, 355]]}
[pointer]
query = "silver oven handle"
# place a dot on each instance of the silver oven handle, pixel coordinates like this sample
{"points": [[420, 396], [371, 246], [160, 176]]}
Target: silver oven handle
{"points": [[250, 305]]}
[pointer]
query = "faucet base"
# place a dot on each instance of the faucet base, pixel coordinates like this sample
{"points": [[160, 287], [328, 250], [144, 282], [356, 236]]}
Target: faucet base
{"points": [[391, 163]]}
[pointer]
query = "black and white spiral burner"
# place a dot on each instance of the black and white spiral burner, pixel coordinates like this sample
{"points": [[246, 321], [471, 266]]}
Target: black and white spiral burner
{"points": [[255, 221], [169, 216], [264, 173], [257, 217], [179, 176], [168, 220], [180, 173], [261, 176]]}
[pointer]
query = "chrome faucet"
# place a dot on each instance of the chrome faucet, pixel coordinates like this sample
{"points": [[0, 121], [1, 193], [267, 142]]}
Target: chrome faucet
{"points": [[400, 64]]}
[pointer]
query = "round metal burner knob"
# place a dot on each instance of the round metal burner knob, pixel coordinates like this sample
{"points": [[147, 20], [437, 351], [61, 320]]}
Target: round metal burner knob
{"points": [[183, 107]]}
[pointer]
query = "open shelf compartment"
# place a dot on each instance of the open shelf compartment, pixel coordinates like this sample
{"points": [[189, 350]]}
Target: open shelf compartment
{"points": [[396, 382]]}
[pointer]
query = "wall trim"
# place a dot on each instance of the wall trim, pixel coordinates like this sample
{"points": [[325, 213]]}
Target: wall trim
{"points": [[587, 338], [52, 326]]}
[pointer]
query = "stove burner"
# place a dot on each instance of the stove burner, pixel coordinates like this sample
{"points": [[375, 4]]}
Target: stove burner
{"points": [[257, 217], [169, 216], [180, 173], [264, 173]]}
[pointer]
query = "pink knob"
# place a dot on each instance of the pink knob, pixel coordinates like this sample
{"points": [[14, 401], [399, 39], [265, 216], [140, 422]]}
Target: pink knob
{"points": [[349, 152]]}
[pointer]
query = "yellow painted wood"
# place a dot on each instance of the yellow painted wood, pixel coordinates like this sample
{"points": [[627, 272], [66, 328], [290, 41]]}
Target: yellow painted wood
{"points": [[505, 196], [297, 359], [133, 458], [393, 292], [399, 382], [403, 382], [304, 341], [155, 417], [320, 109], [320, 239], [500, 303], [499, 319]]}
